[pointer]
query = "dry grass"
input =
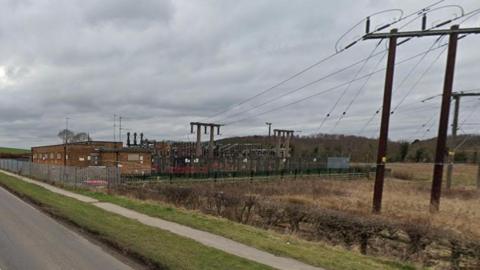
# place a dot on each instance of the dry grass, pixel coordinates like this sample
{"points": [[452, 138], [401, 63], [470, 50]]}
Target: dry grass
{"points": [[464, 175], [339, 211], [408, 201]]}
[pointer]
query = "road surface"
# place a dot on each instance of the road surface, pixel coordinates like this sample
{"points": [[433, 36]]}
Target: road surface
{"points": [[29, 239]]}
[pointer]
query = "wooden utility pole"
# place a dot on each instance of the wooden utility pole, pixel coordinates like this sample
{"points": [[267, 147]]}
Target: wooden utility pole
{"points": [[453, 32], [383, 140], [443, 125]]}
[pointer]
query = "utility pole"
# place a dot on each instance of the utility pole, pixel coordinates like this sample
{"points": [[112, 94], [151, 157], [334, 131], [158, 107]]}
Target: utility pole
{"points": [[443, 125], [65, 140], [451, 154], [269, 128], [383, 140], [453, 32], [120, 128], [478, 174], [114, 127], [211, 145]]}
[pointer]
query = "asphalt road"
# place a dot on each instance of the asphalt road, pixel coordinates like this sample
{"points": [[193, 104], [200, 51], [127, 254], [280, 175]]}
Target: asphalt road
{"points": [[29, 239]]}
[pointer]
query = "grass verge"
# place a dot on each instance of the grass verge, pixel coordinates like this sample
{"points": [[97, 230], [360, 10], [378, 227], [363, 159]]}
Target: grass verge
{"points": [[159, 248], [283, 245]]}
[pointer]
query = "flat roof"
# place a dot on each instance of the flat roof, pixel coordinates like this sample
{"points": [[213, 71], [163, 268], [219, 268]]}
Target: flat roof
{"points": [[77, 143], [125, 149]]}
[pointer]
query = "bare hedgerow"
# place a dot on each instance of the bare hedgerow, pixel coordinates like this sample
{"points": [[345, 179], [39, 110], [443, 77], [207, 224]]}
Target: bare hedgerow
{"points": [[419, 232], [271, 214], [248, 203], [294, 214]]}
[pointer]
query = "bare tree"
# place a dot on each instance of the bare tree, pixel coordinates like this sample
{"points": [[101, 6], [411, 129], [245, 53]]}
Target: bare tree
{"points": [[66, 135], [69, 136]]}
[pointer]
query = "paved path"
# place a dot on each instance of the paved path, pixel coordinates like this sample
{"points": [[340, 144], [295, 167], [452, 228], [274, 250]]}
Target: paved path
{"points": [[203, 237], [30, 239]]}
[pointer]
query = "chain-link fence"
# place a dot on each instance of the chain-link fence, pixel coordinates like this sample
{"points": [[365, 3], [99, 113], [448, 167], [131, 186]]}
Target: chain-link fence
{"points": [[66, 175]]}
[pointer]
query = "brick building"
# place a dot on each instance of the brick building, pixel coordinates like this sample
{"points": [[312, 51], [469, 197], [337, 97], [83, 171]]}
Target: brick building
{"points": [[130, 160]]}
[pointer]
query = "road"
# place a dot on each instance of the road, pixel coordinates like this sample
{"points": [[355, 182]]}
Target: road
{"points": [[29, 239]]}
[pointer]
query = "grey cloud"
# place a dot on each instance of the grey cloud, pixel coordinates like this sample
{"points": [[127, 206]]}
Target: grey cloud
{"points": [[162, 64]]}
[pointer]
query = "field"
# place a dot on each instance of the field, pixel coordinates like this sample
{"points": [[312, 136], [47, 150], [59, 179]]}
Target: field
{"points": [[339, 212], [7, 150]]}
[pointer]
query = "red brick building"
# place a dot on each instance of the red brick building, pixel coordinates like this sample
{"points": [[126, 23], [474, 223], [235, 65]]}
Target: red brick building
{"points": [[130, 160]]}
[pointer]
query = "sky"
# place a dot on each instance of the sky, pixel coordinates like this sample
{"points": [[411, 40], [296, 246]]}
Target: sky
{"points": [[162, 64]]}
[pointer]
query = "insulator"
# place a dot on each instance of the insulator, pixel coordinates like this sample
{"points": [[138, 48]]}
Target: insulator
{"points": [[350, 45], [367, 26], [403, 41], [344, 113], [443, 23], [424, 21], [383, 27]]}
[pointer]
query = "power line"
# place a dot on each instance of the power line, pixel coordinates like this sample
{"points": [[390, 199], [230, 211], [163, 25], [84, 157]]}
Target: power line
{"points": [[357, 94], [304, 86], [425, 9], [332, 88], [348, 86], [421, 76]]}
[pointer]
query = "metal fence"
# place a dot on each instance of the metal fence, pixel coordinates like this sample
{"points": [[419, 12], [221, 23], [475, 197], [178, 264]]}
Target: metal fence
{"points": [[66, 175]]}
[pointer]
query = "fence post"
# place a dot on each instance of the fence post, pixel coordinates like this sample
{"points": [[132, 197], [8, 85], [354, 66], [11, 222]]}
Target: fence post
{"points": [[75, 177]]}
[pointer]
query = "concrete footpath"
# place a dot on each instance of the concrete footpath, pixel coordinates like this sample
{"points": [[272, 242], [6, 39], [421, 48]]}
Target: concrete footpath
{"points": [[202, 237]]}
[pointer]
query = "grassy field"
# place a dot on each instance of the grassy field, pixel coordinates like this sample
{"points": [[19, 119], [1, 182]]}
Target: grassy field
{"points": [[285, 245], [464, 175], [7, 150], [297, 208], [165, 250]]}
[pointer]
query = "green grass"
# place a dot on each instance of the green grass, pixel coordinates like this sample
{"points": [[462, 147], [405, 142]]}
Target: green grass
{"points": [[309, 252], [7, 150], [166, 250]]}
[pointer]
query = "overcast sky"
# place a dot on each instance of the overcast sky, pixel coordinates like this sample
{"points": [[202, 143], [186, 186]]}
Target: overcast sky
{"points": [[161, 64]]}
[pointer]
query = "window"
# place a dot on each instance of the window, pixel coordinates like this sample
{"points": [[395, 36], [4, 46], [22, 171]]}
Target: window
{"points": [[89, 157], [59, 156], [34, 156], [133, 157], [81, 158], [52, 155]]}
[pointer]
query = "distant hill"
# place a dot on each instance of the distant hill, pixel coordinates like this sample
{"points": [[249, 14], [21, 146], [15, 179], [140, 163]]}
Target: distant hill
{"points": [[362, 149]]}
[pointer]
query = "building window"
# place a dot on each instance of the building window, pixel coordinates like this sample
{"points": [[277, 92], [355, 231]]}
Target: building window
{"points": [[34, 156], [133, 157], [81, 159], [89, 157], [59, 156], [52, 155]]}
